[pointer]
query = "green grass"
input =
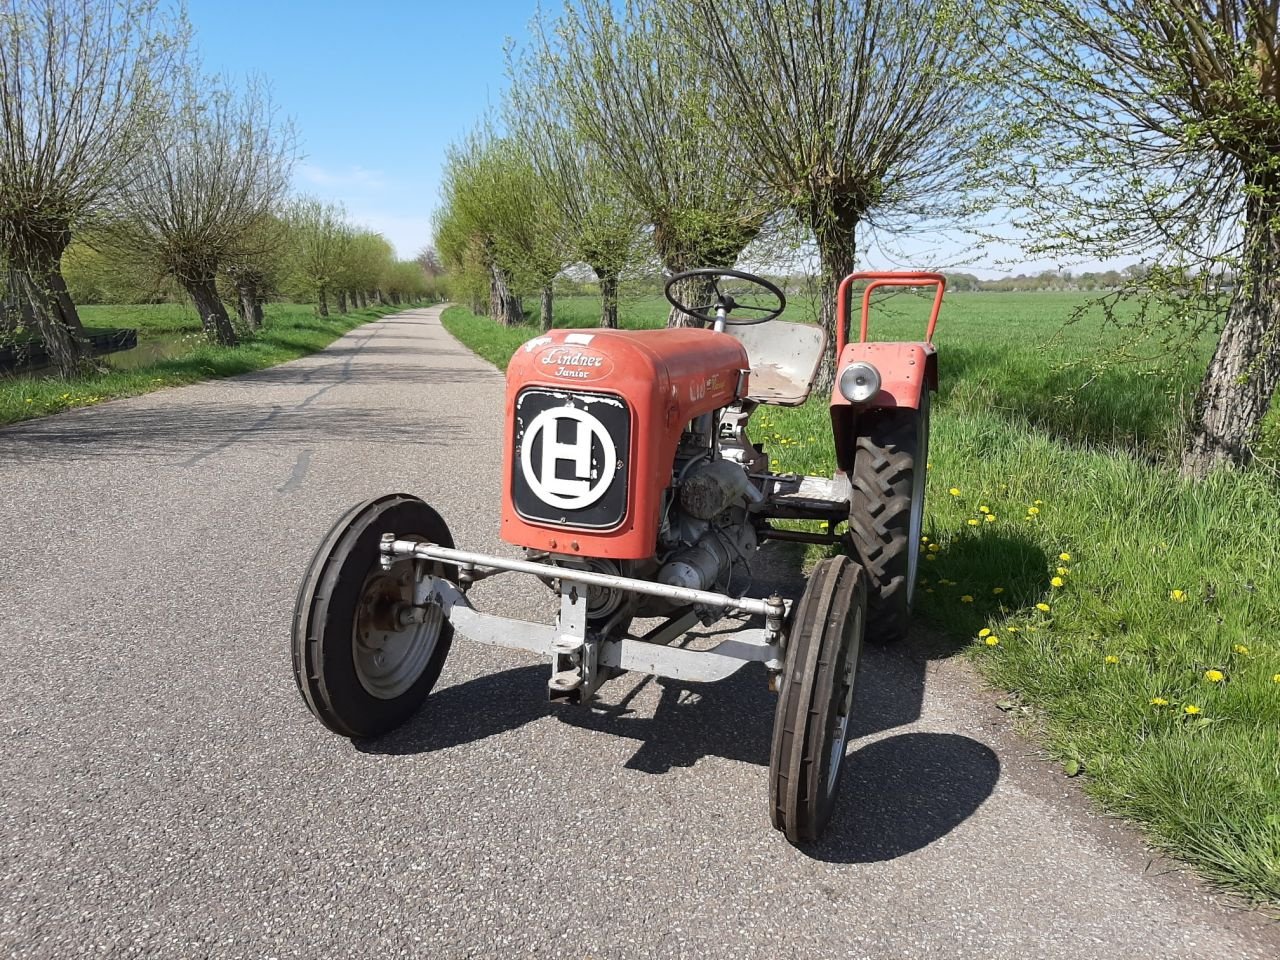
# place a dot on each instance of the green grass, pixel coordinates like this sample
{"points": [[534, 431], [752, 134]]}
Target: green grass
{"points": [[1072, 461], [289, 331]]}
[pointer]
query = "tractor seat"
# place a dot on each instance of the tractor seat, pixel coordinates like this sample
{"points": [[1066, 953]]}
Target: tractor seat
{"points": [[784, 359]]}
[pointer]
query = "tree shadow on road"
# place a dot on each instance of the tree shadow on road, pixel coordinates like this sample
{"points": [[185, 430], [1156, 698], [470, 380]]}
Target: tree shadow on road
{"points": [[191, 432]]}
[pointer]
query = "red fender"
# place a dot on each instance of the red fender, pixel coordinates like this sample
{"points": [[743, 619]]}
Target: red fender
{"points": [[906, 370]]}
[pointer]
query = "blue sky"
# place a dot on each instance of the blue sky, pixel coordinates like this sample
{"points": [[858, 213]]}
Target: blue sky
{"points": [[377, 90]]}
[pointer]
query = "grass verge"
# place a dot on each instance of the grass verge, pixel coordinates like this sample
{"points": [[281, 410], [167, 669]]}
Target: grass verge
{"points": [[1133, 616], [289, 331]]}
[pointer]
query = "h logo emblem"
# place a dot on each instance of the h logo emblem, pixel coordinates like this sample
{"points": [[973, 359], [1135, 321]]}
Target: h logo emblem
{"points": [[568, 476]]}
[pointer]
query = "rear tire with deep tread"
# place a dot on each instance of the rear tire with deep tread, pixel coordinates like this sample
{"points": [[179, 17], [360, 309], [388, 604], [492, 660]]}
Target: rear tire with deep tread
{"points": [[815, 699], [889, 465]]}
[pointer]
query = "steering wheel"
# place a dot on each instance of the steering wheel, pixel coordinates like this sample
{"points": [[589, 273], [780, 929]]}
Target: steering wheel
{"points": [[725, 300]]}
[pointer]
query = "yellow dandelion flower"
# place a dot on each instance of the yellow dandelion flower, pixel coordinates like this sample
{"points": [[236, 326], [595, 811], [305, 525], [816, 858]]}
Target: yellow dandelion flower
{"points": [[954, 491], [1276, 678], [924, 539], [1043, 607], [935, 547], [1241, 649], [1191, 709], [984, 509], [1159, 702], [972, 522], [1032, 511], [991, 518], [1038, 503], [1111, 658], [966, 599], [1214, 676], [1064, 557], [992, 641], [984, 632], [928, 466], [1012, 629], [1057, 582], [1177, 596], [997, 590], [1064, 571]]}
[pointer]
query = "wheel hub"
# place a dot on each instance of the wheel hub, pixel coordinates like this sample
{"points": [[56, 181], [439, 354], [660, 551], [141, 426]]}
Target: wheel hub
{"points": [[390, 653]]}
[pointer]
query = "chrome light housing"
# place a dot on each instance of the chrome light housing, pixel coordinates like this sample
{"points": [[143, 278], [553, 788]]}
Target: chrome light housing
{"points": [[859, 382]]}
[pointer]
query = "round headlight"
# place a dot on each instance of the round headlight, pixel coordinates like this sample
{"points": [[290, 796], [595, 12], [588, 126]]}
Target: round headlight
{"points": [[859, 382]]}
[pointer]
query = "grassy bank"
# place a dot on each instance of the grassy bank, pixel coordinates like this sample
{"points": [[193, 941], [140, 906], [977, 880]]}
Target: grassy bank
{"points": [[289, 331], [1131, 616]]}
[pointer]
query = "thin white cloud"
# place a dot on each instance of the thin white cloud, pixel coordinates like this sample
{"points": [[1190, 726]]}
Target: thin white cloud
{"points": [[350, 177]]}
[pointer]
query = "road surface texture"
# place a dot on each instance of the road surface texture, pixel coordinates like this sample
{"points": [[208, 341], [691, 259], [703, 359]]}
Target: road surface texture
{"points": [[165, 792]]}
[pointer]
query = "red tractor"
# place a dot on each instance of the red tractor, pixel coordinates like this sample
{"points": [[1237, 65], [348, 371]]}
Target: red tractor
{"points": [[636, 494]]}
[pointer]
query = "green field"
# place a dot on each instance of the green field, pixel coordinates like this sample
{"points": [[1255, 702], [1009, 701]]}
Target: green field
{"points": [[1134, 618], [289, 331]]}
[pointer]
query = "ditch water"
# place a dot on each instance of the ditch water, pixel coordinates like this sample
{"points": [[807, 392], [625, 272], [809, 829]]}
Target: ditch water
{"points": [[150, 349], [164, 346]]}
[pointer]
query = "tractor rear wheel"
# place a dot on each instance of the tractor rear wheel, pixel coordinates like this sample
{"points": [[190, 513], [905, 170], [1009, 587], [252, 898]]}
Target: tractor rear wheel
{"points": [[886, 513], [815, 699], [362, 662]]}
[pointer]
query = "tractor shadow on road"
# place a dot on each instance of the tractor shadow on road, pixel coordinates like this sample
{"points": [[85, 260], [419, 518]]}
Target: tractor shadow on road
{"points": [[902, 791]]}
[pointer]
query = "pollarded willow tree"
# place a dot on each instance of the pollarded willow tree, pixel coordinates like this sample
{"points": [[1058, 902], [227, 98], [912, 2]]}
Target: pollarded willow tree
{"points": [[595, 221], [628, 86], [255, 267], [477, 222], [198, 200], [82, 90], [1151, 128], [858, 114], [529, 236], [319, 240], [367, 259]]}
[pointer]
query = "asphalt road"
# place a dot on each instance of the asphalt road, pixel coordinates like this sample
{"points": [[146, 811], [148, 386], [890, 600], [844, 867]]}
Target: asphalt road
{"points": [[165, 792]]}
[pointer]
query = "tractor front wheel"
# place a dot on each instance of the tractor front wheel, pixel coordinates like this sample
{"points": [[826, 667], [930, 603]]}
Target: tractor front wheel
{"points": [[886, 513], [364, 657], [815, 699]]}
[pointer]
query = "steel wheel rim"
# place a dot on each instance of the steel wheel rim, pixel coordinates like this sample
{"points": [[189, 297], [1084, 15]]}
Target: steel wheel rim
{"points": [[916, 524], [838, 741], [390, 657]]}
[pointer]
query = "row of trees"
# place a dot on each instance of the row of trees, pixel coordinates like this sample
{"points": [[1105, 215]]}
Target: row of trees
{"points": [[114, 139], [680, 133], [690, 134]]}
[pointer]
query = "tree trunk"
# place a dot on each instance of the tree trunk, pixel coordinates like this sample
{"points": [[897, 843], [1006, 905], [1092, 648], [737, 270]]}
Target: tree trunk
{"points": [[838, 255], [249, 305], [544, 307], [504, 306], [694, 292], [342, 301], [608, 298], [1237, 388], [322, 304], [37, 257], [213, 312]]}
